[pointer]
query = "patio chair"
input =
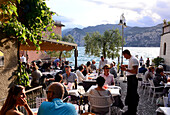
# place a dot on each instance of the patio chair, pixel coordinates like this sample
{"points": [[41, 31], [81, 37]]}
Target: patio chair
{"points": [[144, 83], [39, 101], [153, 90], [165, 101], [100, 102]]}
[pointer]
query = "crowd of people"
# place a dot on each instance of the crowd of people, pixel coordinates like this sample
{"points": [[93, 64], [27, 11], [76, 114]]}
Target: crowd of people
{"points": [[56, 89]]}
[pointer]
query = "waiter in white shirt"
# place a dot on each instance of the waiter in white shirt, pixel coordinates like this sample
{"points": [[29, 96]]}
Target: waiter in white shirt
{"points": [[102, 63], [132, 97]]}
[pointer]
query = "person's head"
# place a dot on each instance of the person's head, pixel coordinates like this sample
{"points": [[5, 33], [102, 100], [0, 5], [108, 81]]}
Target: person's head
{"points": [[151, 69], [55, 90], [159, 70], [81, 68], [114, 63], [126, 54], [93, 61], [58, 77], [100, 81], [66, 62], [35, 68], [67, 69], [88, 63], [13, 99], [143, 65], [102, 58], [106, 68]]}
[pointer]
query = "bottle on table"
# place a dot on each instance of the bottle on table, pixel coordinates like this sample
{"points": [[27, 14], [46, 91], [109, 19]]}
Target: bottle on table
{"points": [[69, 99], [81, 106], [75, 84]]}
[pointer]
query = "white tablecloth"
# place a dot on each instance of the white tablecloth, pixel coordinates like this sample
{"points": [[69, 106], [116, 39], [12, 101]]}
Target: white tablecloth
{"points": [[165, 110], [114, 90]]}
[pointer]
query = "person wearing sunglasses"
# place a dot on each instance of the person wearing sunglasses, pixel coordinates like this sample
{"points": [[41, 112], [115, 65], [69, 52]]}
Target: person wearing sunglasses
{"points": [[109, 78], [55, 105]]}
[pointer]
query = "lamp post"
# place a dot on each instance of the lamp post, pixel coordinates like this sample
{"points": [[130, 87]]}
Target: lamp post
{"points": [[123, 23]]}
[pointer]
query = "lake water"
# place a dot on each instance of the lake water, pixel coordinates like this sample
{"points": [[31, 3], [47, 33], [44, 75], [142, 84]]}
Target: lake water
{"points": [[145, 52]]}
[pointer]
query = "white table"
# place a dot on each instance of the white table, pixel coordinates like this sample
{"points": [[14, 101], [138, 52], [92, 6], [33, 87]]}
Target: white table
{"points": [[165, 110], [114, 90], [53, 73], [76, 92]]}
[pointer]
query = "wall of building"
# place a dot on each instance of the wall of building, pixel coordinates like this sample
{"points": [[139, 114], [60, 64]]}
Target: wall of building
{"points": [[165, 39], [33, 55], [9, 48]]}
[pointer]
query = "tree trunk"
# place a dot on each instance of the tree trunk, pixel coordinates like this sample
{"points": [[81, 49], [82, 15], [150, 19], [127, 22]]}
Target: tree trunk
{"points": [[104, 50], [60, 58]]}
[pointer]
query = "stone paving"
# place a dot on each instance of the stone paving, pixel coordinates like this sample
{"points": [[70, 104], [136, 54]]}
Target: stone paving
{"points": [[144, 107]]}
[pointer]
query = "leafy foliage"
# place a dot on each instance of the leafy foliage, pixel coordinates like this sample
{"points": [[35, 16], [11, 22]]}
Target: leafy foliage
{"points": [[107, 44], [64, 54], [28, 18], [157, 61], [25, 20]]}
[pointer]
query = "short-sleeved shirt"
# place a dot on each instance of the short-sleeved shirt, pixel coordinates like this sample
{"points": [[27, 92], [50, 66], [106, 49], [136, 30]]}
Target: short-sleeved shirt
{"points": [[108, 79], [80, 76], [71, 78], [56, 107], [102, 63], [132, 62]]}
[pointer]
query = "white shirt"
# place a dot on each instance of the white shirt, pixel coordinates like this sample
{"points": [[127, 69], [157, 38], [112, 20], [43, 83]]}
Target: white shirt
{"points": [[23, 59], [102, 63], [132, 62], [80, 76], [108, 79]]}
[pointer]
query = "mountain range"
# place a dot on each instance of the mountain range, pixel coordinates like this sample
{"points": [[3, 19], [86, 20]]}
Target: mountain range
{"points": [[134, 36]]}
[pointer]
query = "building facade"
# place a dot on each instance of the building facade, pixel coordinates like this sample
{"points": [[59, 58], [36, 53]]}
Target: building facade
{"points": [[165, 46]]}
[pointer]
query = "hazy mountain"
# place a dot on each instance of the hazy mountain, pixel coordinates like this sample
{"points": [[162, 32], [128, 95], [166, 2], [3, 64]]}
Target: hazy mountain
{"points": [[134, 36]]}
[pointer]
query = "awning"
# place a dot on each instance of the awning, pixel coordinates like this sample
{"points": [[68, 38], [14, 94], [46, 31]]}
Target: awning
{"points": [[51, 44]]}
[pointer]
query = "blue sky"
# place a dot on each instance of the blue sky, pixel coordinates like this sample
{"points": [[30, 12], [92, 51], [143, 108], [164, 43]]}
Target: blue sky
{"points": [[83, 13]]}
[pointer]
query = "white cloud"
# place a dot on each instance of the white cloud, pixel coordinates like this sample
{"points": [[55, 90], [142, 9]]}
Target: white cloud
{"points": [[94, 12]]}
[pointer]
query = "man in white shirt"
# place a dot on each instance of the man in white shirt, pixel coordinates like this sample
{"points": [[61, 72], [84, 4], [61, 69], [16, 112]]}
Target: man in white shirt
{"points": [[23, 59], [102, 63], [109, 78], [132, 97]]}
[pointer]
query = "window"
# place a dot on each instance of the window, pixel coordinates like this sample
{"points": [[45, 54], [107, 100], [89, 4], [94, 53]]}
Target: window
{"points": [[1, 58], [164, 53]]}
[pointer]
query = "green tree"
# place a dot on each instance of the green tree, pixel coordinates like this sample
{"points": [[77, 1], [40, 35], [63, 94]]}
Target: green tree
{"points": [[64, 54], [107, 44], [25, 20], [157, 61]]}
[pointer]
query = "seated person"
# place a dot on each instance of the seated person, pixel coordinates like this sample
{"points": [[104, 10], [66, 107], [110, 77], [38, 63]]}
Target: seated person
{"points": [[89, 70], [69, 76], [93, 66], [113, 70], [16, 97], [80, 75], [109, 78], [100, 91], [159, 79], [59, 78], [36, 75], [150, 73], [55, 105], [142, 69]]}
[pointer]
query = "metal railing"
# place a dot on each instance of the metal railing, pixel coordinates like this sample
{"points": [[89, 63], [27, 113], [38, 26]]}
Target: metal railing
{"points": [[31, 98]]}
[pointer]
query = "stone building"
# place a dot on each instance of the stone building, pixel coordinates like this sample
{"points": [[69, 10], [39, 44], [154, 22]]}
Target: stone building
{"points": [[8, 62], [165, 46]]}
